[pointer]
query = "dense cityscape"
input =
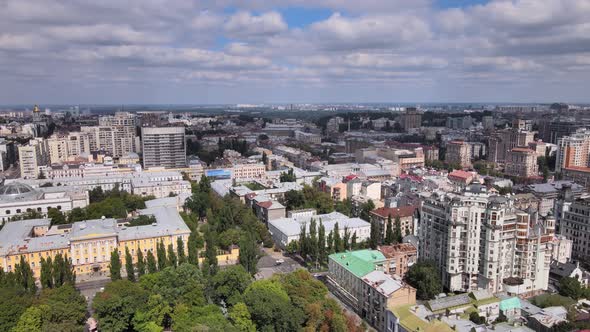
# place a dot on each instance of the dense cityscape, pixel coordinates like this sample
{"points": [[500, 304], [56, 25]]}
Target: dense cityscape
{"points": [[294, 166], [258, 217]]}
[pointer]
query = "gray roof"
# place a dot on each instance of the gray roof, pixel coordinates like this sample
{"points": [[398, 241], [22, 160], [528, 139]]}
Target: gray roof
{"points": [[382, 282], [449, 301], [292, 226], [16, 237], [94, 228], [168, 222]]}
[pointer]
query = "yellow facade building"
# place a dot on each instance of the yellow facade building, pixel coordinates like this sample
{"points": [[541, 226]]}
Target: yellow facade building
{"points": [[89, 243]]}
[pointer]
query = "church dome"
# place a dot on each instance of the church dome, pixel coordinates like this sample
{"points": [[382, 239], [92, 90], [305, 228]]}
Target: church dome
{"points": [[17, 190]]}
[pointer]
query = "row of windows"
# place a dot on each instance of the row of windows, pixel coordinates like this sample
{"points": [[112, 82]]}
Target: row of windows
{"points": [[39, 209]]}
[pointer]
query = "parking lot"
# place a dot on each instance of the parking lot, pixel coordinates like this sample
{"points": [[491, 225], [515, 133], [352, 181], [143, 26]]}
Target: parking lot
{"points": [[267, 265]]}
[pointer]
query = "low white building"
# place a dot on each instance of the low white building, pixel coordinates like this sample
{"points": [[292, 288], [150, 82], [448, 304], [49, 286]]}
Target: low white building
{"points": [[18, 198], [286, 230]]}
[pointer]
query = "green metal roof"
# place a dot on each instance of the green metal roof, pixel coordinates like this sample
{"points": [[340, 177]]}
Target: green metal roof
{"points": [[359, 262], [511, 303]]}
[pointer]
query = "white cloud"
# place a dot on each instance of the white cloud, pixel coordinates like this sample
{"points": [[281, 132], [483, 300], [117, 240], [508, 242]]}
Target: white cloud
{"points": [[246, 25]]}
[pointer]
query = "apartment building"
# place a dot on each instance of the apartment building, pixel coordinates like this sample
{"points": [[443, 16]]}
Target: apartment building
{"points": [[68, 147], [573, 224], [31, 157], [522, 162], [163, 147], [361, 278], [244, 171], [573, 150], [481, 241], [411, 118], [88, 243], [406, 215], [503, 141], [458, 152]]}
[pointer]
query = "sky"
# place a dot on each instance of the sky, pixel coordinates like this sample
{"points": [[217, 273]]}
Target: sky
{"points": [[293, 51]]}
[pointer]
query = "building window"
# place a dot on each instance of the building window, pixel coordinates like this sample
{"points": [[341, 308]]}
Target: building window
{"points": [[7, 211]]}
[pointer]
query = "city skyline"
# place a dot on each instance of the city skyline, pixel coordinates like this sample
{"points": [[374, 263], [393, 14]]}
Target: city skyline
{"points": [[211, 52]]}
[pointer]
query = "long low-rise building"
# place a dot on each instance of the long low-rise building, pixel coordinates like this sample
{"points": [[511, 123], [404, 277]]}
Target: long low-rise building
{"points": [[17, 198], [147, 183], [88, 243], [287, 230]]}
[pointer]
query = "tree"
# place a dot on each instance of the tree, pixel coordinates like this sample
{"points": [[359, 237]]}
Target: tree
{"points": [[271, 308], [229, 284], [288, 176], [24, 276], [322, 253], [240, 317], [210, 262], [172, 259], [425, 278], [476, 318], [398, 237], [31, 320], [353, 244], [375, 235], [161, 253], [205, 184], [129, 265], [389, 237], [248, 253], [346, 240], [115, 265], [117, 304], [180, 249], [570, 287], [336, 238], [66, 308], [312, 242], [330, 243], [56, 216], [13, 302], [140, 266], [366, 209], [152, 266], [46, 273], [303, 251], [194, 243]]}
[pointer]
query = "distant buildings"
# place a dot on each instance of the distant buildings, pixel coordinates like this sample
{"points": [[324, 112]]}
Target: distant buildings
{"points": [[522, 162], [458, 152], [503, 141], [410, 119], [163, 147], [573, 151], [32, 156]]}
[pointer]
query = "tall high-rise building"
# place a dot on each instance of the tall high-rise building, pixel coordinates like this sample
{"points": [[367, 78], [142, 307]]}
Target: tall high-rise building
{"points": [[115, 134], [574, 150], [458, 152], [411, 118], [163, 147], [32, 156], [503, 141], [522, 162], [68, 147], [482, 241]]}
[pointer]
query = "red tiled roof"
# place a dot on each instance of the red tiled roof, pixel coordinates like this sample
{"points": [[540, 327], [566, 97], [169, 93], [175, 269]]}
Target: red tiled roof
{"points": [[395, 249], [461, 174], [265, 205], [404, 211], [411, 177]]}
